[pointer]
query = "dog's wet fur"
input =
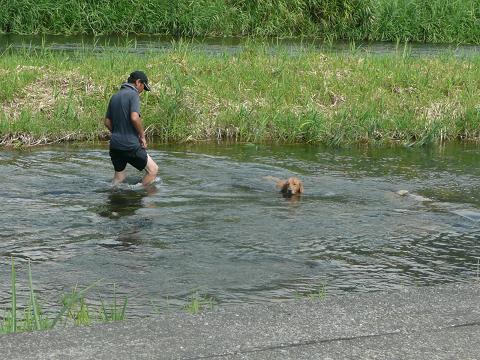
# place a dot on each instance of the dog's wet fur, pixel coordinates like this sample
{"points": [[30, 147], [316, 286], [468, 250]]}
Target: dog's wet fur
{"points": [[289, 187]]}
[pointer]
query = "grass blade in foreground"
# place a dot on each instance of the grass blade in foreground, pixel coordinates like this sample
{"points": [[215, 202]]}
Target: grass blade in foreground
{"points": [[32, 315], [14, 300], [33, 300], [72, 300], [114, 313]]}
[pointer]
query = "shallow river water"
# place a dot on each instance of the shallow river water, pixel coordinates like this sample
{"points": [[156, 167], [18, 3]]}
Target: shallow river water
{"points": [[213, 225]]}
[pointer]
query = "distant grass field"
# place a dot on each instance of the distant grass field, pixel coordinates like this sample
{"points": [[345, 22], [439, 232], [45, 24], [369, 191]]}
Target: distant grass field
{"points": [[253, 96], [452, 21]]}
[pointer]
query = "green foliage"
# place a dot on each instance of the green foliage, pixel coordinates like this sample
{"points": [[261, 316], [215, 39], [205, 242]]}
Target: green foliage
{"points": [[13, 311], [32, 319], [447, 21], [252, 96], [113, 312], [454, 21], [197, 302], [74, 309], [319, 293]]}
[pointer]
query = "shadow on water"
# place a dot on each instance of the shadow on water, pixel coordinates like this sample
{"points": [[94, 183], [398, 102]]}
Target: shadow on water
{"points": [[121, 203], [124, 202]]}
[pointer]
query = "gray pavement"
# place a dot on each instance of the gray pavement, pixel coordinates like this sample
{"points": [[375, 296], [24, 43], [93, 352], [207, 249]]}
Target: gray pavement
{"points": [[441, 322]]}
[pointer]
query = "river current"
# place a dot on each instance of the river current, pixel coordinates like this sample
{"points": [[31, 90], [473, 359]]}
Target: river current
{"points": [[213, 225]]}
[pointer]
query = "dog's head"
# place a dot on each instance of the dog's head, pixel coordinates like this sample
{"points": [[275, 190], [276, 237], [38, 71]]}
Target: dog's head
{"points": [[292, 186]]}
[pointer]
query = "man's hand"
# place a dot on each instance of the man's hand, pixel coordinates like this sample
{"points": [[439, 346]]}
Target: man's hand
{"points": [[108, 124], [143, 141], [137, 124]]}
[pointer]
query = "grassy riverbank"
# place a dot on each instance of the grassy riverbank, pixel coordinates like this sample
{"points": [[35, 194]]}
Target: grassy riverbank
{"points": [[454, 21], [253, 96]]}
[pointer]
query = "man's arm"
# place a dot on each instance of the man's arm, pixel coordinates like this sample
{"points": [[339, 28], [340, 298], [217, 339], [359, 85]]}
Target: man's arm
{"points": [[137, 123], [108, 124]]}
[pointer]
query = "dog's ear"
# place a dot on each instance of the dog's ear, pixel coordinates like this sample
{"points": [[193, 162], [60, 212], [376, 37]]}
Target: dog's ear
{"points": [[301, 187], [283, 185]]}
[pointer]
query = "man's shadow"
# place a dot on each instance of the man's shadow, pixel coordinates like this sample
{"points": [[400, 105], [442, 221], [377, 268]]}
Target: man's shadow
{"points": [[124, 202]]}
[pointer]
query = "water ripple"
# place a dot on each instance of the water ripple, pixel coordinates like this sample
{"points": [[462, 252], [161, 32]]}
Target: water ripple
{"points": [[215, 224]]}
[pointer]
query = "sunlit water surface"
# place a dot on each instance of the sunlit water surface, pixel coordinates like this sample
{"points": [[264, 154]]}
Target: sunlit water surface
{"points": [[214, 226]]}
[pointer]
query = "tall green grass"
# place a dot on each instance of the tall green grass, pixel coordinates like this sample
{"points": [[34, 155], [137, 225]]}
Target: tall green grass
{"points": [[252, 96], [454, 21]]}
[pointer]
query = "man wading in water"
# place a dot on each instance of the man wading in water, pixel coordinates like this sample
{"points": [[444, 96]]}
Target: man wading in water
{"points": [[128, 144]]}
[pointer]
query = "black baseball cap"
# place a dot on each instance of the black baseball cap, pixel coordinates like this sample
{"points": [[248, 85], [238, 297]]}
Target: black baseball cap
{"points": [[139, 75]]}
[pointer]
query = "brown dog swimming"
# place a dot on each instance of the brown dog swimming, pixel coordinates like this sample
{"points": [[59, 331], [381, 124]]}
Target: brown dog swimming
{"points": [[288, 187]]}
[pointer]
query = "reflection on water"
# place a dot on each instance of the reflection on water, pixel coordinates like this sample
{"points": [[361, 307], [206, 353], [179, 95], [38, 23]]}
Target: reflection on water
{"points": [[215, 223], [122, 201]]}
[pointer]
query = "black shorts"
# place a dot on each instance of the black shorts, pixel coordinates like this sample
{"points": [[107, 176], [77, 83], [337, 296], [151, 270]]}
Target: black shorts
{"points": [[137, 158]]}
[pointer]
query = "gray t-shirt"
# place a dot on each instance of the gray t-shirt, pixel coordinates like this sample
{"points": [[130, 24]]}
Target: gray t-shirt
{"points": [[121, 105]]}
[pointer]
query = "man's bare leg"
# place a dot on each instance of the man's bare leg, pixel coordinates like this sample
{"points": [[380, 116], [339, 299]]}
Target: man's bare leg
{"points": [[119, 177], [152, 171]]}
